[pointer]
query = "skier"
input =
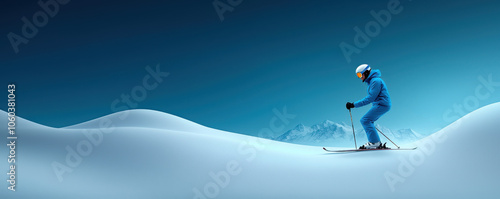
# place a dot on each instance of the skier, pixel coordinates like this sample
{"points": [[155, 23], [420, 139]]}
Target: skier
{"points": [[378, 95]]}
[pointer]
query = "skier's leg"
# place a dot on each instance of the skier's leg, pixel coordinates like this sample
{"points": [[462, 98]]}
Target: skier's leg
{"points": [[367, 121]]}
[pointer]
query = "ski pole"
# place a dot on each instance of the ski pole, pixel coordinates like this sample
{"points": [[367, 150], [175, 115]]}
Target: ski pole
{"points": [[386, 137], [352, 123]]}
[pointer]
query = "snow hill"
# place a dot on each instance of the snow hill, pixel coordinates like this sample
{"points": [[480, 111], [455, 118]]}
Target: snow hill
{"points": [[149, 154], [329, 133]]}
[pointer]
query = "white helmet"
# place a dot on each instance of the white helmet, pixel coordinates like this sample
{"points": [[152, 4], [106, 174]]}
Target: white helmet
{"points": [[361, 69]]}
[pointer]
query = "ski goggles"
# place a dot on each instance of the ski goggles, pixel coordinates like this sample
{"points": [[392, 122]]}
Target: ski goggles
{"points": [[361, 73]]}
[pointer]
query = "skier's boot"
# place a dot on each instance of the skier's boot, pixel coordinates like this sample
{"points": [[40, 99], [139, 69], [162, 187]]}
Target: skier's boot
{"points": [[369, 145]]}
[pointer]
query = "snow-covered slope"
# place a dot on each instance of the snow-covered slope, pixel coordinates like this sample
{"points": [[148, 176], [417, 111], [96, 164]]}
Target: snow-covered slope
{"points": [[168, 157], [141, 118], [329, 133]]}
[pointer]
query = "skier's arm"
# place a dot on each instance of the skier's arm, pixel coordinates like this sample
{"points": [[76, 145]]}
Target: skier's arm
{"points": [[373, 92]]}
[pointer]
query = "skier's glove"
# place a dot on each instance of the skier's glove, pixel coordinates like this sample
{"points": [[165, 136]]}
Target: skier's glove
{"points": [[349, 105]]}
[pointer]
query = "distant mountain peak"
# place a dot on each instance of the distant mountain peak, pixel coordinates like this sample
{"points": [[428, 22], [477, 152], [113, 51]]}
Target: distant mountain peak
{"points": [[327, 123], [339, 134], [300, 126]]}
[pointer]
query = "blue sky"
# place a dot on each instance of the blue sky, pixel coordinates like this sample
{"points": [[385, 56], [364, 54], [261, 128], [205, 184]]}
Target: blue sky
{"points": [[231, 74]]}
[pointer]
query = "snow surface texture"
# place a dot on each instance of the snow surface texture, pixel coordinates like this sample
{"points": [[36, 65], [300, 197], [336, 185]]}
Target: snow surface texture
{"points": [[329, 133], [149, 154]]}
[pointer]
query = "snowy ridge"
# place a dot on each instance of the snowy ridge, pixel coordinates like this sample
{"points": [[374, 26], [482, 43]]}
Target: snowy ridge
{"points": [[25, 124], [142, 118], [173, 158]]}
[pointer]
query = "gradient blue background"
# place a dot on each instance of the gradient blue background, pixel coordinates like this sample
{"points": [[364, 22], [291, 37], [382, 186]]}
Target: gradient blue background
{"points": [[230, 74]]}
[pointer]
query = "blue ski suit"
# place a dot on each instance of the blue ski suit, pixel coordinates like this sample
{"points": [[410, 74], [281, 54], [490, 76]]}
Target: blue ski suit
{"points": [[378, 95]]}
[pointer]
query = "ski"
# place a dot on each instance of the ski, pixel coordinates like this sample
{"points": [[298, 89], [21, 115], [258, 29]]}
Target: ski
{"points": [[359, 150]]}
